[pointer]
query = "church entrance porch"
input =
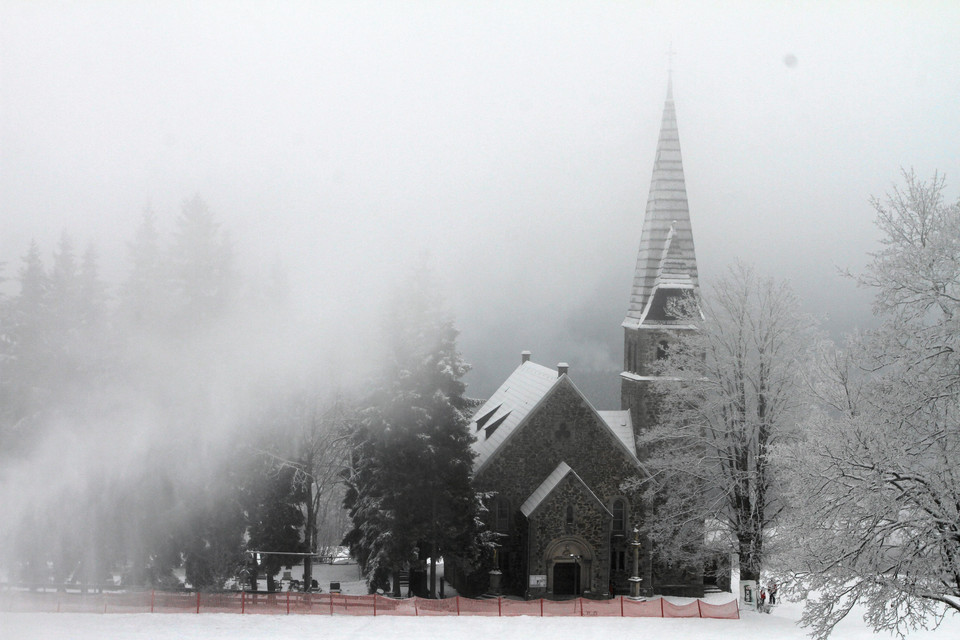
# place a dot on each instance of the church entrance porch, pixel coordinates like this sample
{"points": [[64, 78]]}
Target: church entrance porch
{"points": [[569, 563]]}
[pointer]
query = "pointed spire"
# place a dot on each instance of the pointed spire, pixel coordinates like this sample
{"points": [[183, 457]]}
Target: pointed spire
{"points": [[666, 224], [670, 54]]}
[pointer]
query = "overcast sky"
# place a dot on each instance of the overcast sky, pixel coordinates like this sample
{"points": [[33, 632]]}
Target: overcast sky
{"points": [[513, 140]]}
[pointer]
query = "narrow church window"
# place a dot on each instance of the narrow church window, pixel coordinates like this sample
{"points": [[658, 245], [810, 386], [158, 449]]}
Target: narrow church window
{"points": [[619, 516], [617, 560], [562, 432], [662, 350], [502, 515], [569, 518]]}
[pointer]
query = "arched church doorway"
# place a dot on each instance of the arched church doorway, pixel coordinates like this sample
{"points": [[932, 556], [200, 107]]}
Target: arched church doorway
{"points": [[566, 578], [569, 561]]}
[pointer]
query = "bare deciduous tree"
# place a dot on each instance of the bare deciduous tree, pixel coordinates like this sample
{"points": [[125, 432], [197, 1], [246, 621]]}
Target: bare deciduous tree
{"points": [[729, 392], [315, 449], [877, 481]]}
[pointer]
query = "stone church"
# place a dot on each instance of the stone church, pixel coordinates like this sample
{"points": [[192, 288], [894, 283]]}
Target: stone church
{"points": [[553, 463]]}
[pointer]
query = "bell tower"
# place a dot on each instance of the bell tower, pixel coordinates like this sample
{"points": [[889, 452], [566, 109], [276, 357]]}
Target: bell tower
{"points": [[666, 268]]}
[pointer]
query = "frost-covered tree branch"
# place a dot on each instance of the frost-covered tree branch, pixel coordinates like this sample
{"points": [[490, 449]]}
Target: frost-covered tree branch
{"points": [[729, 392], [876, 483]]}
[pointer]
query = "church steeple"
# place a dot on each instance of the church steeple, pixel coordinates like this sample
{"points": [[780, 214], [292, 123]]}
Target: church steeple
{"points": [[667, 219], [666, 268]]}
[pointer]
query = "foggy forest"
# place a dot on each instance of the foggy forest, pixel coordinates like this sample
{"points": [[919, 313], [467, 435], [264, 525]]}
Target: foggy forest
{"points": [[238, 245]]}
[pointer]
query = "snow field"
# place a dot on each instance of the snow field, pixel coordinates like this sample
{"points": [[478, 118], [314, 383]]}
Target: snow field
{"points": [[780, 624]]}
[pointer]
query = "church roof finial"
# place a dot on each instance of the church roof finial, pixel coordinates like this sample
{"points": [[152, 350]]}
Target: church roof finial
{"points": [[670, 54]]}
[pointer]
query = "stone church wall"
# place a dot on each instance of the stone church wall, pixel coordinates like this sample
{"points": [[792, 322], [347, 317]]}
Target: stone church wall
{"points": [[590, 523], [563, 429]]}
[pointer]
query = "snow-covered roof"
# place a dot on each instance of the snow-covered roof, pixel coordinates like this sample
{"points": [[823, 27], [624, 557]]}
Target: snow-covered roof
{"points": [[511, 404], [550, 483], [621, 424], [508, 406]]}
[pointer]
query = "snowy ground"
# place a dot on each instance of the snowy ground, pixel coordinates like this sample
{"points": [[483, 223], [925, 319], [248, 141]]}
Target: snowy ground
{"points": [[781, 624]]}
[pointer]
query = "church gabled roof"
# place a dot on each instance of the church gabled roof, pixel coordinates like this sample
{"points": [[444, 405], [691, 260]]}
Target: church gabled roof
{"points": [[520, 394], [621, 424], [551, 482], [508, 406], [666, 256]]}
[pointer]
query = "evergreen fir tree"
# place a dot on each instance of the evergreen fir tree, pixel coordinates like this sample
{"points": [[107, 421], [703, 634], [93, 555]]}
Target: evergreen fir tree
{"points": [[409, 491], [144, 295], [202, 266], [213, 538], [274, 518], [30, 353]]}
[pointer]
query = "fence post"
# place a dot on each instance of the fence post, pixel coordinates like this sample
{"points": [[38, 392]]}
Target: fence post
{"points": [[621, 606], [152, 596], [541, 607], [198, 602], [374, 605], [243, 602], [581, 605], [416, 609], [331, 604], [288, 602], [699, 610], [499, 606], [458, 605], [661, 606]]}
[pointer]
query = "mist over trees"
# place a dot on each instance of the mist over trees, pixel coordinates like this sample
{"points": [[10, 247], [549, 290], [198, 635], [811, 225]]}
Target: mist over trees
{"points": [[875, 485], [409, 491], [133, 432]]}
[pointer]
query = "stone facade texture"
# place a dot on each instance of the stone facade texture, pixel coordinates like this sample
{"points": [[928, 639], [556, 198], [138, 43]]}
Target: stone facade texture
{"points": [[553, 539], [564, 428]]}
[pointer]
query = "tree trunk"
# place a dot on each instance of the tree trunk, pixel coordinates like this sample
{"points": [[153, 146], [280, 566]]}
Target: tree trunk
{"points": [[309, 535], [433, 549], [396, 583], [749, 558], [271, 582], [254, 577]]}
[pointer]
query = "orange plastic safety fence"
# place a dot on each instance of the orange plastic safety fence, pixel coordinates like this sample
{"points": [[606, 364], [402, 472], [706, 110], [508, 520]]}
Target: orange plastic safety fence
{"points": [[310, 603], [642, 608], [728, 611], [428, 607], [519, 607], [220, 602], [133, 602], [260, 603], [689, 610], [165, 602], [391, 607], [561, 608], [338, 604], [594, 608], [487, 607], [351, 605]]}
